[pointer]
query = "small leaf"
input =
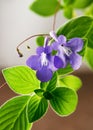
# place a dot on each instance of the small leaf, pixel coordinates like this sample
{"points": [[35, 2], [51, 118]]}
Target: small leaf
{"points": [[70, 81], [89, 57], [45, 7], [13, 114], [21, 79], [39, 92], [68, 12], [37, 107], [40, 41], [82, 3], [52, 84], [64, 101], [68, 2]]}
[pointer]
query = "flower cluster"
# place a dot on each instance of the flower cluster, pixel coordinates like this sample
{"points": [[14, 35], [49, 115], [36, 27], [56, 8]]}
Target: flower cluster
{"points": [[45, 63]]}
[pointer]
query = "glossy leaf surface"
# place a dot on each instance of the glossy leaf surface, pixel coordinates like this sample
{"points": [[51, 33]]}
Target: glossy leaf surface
{"points": [[64, 101], [21, 79], [37, 107], [70, 81], [13, 114]]}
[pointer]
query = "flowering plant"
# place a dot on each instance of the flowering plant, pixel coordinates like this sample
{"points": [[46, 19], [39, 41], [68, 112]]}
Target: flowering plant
{"points": [[45, 80]]}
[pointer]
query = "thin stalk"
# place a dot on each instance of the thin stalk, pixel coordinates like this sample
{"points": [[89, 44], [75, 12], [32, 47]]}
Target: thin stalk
{"points": [[55, 15], [17, 48]]}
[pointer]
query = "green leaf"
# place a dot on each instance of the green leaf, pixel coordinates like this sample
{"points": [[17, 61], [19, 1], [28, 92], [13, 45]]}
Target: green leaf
{"points": [[64, 101], [40, 41], [52, 84], [68, 2], [37, 107], [70, 81], [89, 57], [68, 12], [81, 27], [21, 79], [45, 7], [82, 3], [13, 114]]}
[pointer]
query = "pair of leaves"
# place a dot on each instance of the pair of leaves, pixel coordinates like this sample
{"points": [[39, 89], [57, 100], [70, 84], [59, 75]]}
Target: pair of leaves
{"points": [[49, 7], [16, 112], [31, 108]]}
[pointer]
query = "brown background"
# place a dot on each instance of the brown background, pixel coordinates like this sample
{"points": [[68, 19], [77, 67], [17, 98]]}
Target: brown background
{"points": [[81, 119]]}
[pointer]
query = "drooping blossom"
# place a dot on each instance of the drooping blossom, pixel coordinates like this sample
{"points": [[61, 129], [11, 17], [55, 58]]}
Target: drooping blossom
{"points": [[67, 51], [42, 62]]}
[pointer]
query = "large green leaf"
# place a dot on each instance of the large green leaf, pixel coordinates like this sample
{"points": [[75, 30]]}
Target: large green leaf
{"points": [[13, 114], [21, 79], [81, 27], [45, 7], [82, 3], [70, 81], [89, 56], [64, 101], [37, 107]]}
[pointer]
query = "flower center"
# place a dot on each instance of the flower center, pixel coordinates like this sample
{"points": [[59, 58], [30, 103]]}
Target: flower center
{"points": [[67, 50], [44, 61]]}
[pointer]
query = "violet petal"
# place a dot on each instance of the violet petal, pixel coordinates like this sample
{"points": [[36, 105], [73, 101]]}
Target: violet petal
{"points": [[39, 50], [75, 61], [58, 62], [44, 74], [62, 40], [33, 62], [51, 63], [76, 44], [48, 49]]}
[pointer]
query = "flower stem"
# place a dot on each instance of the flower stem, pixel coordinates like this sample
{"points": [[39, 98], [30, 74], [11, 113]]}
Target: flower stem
{"points": [[55, 15], [17, 48]]}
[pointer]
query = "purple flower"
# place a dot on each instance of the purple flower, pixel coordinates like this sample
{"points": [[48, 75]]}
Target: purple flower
{"points": [[43, 62], [67, 51]]}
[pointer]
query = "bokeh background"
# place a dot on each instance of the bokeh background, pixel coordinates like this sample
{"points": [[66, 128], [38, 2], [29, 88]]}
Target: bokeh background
{"points": [[17, 22]]}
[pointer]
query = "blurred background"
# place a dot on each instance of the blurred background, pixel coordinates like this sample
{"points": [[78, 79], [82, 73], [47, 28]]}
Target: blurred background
{"points": [[17, 23]]}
